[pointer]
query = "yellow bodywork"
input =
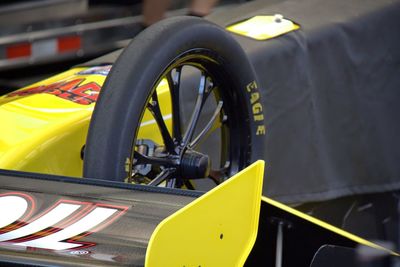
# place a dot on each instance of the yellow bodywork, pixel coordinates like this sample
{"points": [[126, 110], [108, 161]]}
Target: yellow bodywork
{"points": [[217, 229], [44, 125]]}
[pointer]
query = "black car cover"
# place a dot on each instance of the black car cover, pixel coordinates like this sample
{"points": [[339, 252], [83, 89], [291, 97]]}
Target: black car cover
{"points": [[331, 94]]}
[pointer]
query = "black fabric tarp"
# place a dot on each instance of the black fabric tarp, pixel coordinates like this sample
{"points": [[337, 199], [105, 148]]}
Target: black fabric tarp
{"points": [[331, 94]]}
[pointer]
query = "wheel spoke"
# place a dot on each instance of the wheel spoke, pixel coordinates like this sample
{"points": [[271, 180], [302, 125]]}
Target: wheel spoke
{"points": [[174, 81], [171, 183], [163, 175], [210, 127], [218, 176], [154, 108], [201, 98], [189, 185]]}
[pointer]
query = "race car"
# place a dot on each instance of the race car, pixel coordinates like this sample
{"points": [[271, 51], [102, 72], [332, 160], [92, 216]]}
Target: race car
{"points": [[180, 108]]}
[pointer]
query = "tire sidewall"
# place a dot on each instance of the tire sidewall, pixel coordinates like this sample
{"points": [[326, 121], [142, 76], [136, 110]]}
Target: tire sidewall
{"points": [[117, 112]]}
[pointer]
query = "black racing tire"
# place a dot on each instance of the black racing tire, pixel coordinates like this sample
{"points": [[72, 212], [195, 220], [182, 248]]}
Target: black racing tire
{"points": [[132, 79]]}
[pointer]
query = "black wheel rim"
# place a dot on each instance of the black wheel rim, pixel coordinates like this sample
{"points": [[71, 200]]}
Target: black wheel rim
{"points": [[178, 161]]}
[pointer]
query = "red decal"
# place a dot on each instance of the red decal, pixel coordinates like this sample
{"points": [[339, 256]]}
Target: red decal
{"points": [[70, 90]]}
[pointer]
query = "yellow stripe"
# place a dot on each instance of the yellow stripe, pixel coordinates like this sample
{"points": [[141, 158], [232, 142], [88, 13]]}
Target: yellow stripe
{"points": [[327, 225]]}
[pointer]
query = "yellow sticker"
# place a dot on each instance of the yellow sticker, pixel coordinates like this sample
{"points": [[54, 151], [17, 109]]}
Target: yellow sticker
{"points": [[263, 27]]}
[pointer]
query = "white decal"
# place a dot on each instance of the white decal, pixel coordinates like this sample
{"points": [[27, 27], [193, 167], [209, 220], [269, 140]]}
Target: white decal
{"points": [[54, 241], [57, 228], [13, 207], [79, 252], [57, 214]]}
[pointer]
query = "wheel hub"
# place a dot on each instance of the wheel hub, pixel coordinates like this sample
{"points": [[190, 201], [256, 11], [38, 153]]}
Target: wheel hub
{"points": [[194, 165], [190, 164]]}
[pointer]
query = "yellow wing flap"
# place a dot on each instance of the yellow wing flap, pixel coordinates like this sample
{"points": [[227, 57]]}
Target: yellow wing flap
{"points": [[217, 229]]}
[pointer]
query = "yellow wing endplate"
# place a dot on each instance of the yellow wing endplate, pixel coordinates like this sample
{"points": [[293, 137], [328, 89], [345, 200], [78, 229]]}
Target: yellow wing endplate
{"points": [[217, 229]]}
